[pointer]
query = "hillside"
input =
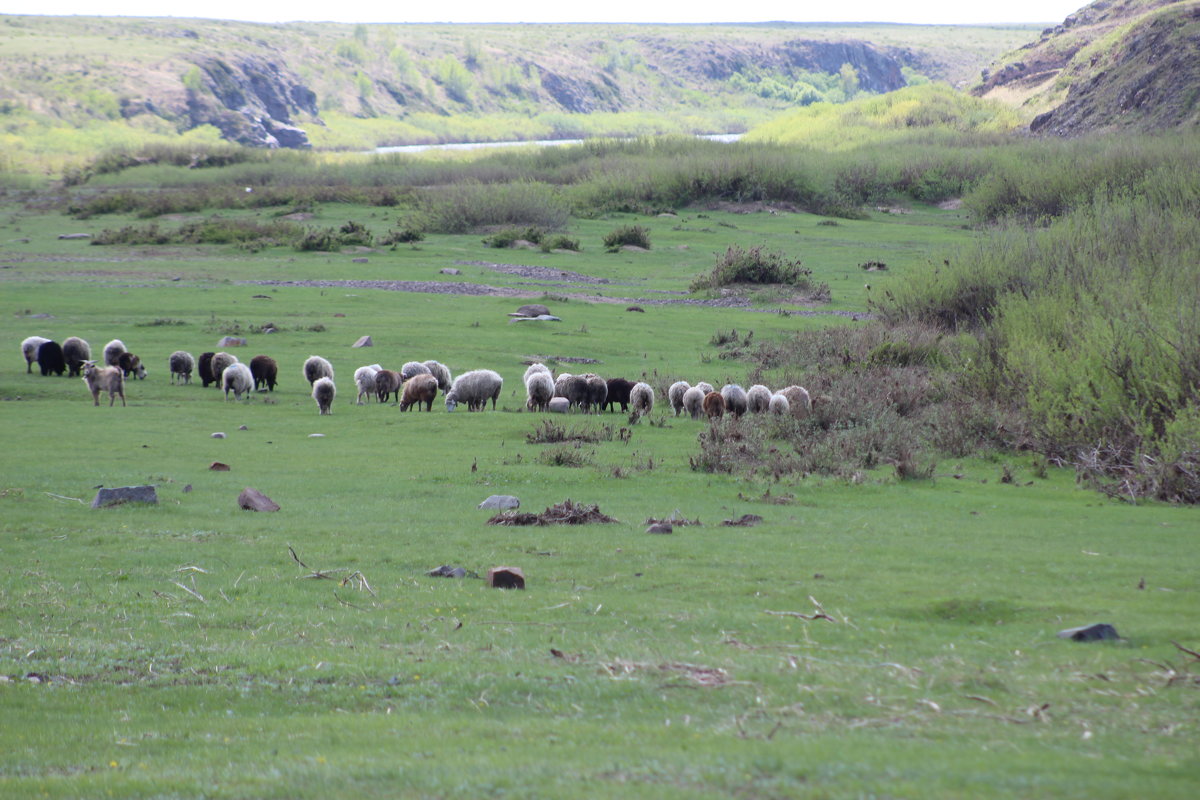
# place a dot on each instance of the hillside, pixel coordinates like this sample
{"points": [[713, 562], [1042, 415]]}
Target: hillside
{"points": [[1114, 64], [292, 85]]}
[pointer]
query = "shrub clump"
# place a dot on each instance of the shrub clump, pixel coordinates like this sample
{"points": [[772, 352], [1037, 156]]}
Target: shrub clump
{"points": [[632, 235], [508, 237], [352, 234], [560, 243], [755, 265]]}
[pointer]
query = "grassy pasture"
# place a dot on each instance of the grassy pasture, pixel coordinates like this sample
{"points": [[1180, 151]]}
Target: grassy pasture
{"points": [[181, 652]]}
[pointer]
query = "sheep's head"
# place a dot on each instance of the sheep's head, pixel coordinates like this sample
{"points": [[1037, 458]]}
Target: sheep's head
{"points": [[451, 400]]}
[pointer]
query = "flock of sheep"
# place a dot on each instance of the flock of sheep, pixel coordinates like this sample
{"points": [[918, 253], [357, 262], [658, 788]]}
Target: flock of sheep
{"points": [[417, 383]]}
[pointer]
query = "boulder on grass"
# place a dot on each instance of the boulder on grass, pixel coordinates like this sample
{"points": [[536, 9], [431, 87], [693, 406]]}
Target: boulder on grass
{"points": [[364, 342], [1100, 631], [232, 341], [254, 500], [506, 578], [120, 495]]}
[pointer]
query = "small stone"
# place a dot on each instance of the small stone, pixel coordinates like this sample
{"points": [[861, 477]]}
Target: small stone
{"points": [[533, 310], [74, 236], [242, 428], [636, 308], [447, 571], [187, 489], [364, 341], [218, 435], [359, 261], [316, 436], [559, 405], [450, 271], [125, 494], [1100, 631], [660, 527], [506, 578], [217, 466], [338, 316], [254, 500], [232, 341], [501, 502]]}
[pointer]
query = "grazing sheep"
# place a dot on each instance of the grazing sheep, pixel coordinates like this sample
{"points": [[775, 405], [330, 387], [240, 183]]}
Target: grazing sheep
{"points": [[417, 390], [539, 367], [642, 399], [596, 394], [705, 387], [131, 365], [76, 351], [104, 379], [29, 349], [735, 399], [364, 379], [204, 367], [714, 405], [539, 390], [675, 395], [572, 387], [799, 401], [618, 392], [387, 382], [265, 371], [758, 399], [560, 383], [323, 391], [238, 379], [475, 388], [50, 358], [112, 351], [442, 373], [779, 404], [693, 401], [412, 368], [221, 362], [316, 367], [182, 363]]}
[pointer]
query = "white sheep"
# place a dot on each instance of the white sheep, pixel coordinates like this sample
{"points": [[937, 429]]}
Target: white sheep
{"points": [[412, 369], [181, 363], [440, 371], [675, 395], [735, 399], [758, 399], [29, 349], [364, 379], [705, 387], [779, 404], [475, 388], [77, 352], [221, 362], [693, 402], [315, 367], [641, 397], [323, 392], [104, 379], [536, 367], [539, 390], [237, 378], [799, 400], [112, 352]]}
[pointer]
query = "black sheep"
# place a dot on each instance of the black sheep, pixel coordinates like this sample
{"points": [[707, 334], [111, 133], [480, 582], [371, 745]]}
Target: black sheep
{"points": [[618, 392], [264, 369], [204, 365], [51, 359]]}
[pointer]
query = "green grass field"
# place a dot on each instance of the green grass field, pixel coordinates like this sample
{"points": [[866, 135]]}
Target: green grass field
{"points": [[180, 650]]}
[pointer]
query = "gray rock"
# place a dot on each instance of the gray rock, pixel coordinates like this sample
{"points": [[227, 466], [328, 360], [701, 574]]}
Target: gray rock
{"points": [[447, 571], [316, 436], [74, 236], [559, 405], [501, 502], [232, 341], [660, 527], [254, 500], [1099, 631], [538, 318], [243, 428], [125, 494], [218, 435], [364, 341], [359, 261], [450, 271], [533, 310]]}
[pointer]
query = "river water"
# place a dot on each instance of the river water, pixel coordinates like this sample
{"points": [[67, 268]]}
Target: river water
{"points": [[419, 148]]}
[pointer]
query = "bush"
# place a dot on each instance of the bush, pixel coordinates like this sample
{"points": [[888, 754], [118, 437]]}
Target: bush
{"points": [[633, 235], [510, 236], [403, 236], [472, 206], [560, 243], [754, 266]]}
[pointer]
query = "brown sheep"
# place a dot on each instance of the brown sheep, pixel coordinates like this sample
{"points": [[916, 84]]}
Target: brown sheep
{"points": [[417, 390], [714, 405], [387, 382], [104, 379]]}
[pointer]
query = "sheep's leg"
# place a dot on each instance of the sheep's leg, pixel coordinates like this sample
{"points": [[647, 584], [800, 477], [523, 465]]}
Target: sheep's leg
{"points": [[96, 397]]}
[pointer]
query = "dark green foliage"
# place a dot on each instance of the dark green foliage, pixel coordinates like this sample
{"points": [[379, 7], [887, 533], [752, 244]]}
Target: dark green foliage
{"points": [[754, 265], [560, 242], [403, 236], [632, 235], [467, 207], [509, 236], [215, 230]]}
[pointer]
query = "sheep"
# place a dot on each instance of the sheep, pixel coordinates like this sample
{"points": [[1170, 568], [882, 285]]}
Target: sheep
{"points": [[735, 399], [221, 362], [596, 392], [475, 388], [642, 399], [181, 364], [675, 395], [50, 358], [779, 404], [572, 387], [265, 371], [412, 368], [364, 379], [705, 387], [131, 364], [799, 401], [758, 399], [29, 349], [112, 351], [442, 373], [693, 401], [76, 351], [323, 391], [539, 390], [104, 379], [714, 405], [238, 379], [618, 392], [316, 367], [204, 367], [537, 367], [417, 390], [387, 382]]}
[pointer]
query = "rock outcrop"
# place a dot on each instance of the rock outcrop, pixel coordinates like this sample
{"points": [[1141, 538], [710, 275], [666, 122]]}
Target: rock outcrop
{"points": [[251, 102]]}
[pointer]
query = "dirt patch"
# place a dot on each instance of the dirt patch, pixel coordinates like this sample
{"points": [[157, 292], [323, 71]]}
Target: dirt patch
{"points": [[756, 207], [567, 512], [538, 273], [953, 204], [425, 287]]}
